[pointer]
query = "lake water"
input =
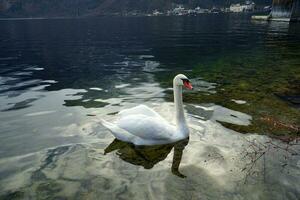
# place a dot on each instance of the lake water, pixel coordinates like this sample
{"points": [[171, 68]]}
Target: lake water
{"points": [[60, 77]]}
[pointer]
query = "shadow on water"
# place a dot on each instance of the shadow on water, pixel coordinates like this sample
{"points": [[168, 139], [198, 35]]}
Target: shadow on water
{"points": [[148, 156]]}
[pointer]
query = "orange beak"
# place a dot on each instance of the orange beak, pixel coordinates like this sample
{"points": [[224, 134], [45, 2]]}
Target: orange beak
{"points": [[188, 85]]}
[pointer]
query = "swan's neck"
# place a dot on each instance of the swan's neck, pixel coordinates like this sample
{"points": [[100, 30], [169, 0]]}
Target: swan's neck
{"points": [[180, 118]]}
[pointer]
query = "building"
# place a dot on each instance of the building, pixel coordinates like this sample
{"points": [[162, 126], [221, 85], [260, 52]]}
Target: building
{"points": [[282, 10], [235, 8], [156, 13], [289, 9], [179, 10], [247, 7]]}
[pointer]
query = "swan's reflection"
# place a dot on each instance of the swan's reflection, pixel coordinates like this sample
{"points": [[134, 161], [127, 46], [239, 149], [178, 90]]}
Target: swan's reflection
{"points": [[148, 156]]}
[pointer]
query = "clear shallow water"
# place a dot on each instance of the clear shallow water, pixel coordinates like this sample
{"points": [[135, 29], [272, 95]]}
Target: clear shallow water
{"points": [[60, 77]]}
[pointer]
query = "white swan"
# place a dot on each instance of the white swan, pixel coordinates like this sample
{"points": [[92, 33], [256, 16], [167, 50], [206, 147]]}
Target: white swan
{"points": [[141, 125]]}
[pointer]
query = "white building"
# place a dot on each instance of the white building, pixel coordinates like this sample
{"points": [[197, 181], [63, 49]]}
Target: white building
{"points": [[156, 13], [180, 10], [236, 8], [248, 6]]}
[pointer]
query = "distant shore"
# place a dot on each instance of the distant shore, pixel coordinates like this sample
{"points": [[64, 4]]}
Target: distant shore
{"points": [[115, 15]]}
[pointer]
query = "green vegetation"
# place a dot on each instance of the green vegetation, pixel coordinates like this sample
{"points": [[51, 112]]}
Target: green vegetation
{"points": [[261, 83]]}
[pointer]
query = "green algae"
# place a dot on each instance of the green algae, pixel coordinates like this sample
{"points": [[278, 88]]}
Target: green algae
{"points": [[260, 83], [261, 80], [13, 196]]}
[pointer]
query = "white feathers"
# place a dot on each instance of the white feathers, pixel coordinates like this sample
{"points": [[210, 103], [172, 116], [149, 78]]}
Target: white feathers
{"points": [[141, 125]]}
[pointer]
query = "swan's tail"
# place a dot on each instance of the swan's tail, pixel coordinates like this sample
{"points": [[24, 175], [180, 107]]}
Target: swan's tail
{"points": [[118, 132]]}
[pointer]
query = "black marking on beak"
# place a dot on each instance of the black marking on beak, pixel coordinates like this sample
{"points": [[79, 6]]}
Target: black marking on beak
{"points": [[185, 79]]}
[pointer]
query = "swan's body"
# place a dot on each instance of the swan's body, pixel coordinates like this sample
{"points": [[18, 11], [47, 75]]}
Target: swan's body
{"points": [[141, 125]]}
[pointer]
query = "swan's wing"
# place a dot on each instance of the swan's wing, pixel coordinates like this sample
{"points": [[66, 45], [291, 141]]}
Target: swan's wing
{"points": [[118, 132], [147, 127], [141, 109]]}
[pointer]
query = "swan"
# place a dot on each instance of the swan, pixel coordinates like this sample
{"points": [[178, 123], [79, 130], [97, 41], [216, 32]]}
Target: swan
{"points": [[141, 125]]}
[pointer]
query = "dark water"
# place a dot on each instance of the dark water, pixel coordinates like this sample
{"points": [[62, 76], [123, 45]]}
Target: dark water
{"points": [[58, 77]]}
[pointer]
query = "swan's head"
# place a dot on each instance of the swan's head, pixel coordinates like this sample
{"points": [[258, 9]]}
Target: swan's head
{"points": [[182, 80]]}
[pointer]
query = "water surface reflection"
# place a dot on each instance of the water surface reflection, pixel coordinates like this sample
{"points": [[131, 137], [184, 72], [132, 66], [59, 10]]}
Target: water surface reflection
{"points": [[59, 77]]}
